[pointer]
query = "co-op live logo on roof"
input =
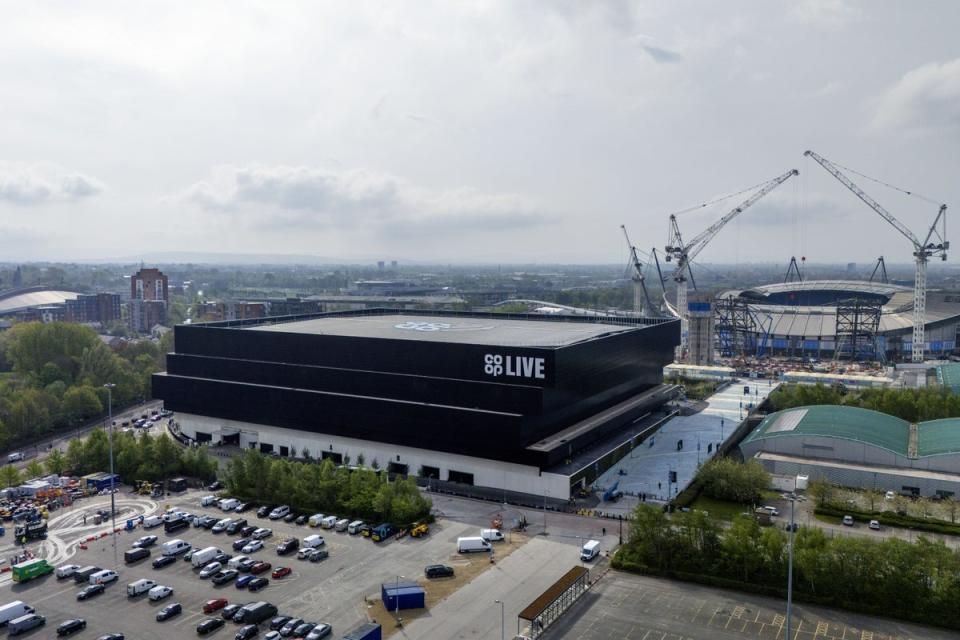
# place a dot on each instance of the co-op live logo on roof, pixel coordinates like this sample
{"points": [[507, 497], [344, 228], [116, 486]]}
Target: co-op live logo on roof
{"points": [[440, 326], [497, 365]]}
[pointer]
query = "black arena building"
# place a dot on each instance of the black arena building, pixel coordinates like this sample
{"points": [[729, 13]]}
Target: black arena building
{"points": [[487, 399]]}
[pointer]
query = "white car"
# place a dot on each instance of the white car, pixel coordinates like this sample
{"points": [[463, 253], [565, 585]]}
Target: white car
{"points": [[253, 545], [67, 570], [875, 525], [279, 512], [889, 495], [210, 569], [159, 593], [771, 510], [262, 533]]}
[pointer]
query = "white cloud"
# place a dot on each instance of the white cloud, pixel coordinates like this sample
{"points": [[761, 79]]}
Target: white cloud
{"points": [[265, 195], [826, 14], [925, 100], [658, 51], [36, 184]]}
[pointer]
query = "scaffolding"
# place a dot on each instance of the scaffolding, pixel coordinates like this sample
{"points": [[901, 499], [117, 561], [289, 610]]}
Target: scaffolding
{"points": [[735, 329], [553, 602], [858, 330]]}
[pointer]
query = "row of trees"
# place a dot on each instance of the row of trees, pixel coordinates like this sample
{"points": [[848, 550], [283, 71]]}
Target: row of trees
{"points": [[914, 581], [52, 377], [310, 488], [135, 458], [913, 405]]}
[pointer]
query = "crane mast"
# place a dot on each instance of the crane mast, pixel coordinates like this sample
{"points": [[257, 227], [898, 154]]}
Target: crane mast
{"points": [[641, 297], [934, 244], [684, 253]]}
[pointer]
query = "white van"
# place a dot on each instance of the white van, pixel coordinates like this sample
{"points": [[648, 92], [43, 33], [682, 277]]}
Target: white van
{"points": [[342, 524], [492, 535], [229, 504], [329, 522], [13, 610], [175, 547], [67, 570], [590, 550], [279, 512], [103, 577], [471, 544], [354, 527], [207, 501], [312, 542], [235, 561], [140, 587], [15, 457], [204, 556], [316, 519], [152, 521]]}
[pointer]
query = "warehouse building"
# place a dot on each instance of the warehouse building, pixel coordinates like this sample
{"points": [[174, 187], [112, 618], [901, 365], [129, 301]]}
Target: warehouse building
{"points": [[860, 448], [490, 400]]}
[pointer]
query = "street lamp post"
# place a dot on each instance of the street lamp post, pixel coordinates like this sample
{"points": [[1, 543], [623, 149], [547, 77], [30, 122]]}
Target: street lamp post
{"points": [[396, 599], [545, 492], [500, 602], [113, 508], [790, 568]]}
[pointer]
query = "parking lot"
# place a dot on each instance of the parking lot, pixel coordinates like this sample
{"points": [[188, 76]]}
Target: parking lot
{"points": [[332, 591], [630, 607]]}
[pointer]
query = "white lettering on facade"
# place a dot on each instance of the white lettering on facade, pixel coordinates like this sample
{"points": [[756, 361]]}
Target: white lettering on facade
{"points": [[514, 366]]}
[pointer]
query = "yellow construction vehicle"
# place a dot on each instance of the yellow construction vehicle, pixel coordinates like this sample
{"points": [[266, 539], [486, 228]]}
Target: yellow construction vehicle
{"points": [[419, 530]]}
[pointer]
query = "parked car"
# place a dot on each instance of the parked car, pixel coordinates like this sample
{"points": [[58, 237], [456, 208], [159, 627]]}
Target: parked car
{"points": [[169, 611], [210, 569], [301, 519], [210, 625], [243, 506], [252, 546], [247, 565], [875, 525], [90, 591], [247, 531], [264, 511], [214, 605], [216, 485], [236, 525], [71, 626], [257, 583], [438, 571], [260, 567], [290, 517], [145, 541], [318, 555], [243, 581], [288, 546], [223, 577], [279, 512], [281, 572], [262, 533], [240, 543], [303, 630], [246, 632], [289, 626], [320, 631], [163, 561], [67, 570], [159, 592], [277, 623], [848, 521], [223, 557], [228, 611]]}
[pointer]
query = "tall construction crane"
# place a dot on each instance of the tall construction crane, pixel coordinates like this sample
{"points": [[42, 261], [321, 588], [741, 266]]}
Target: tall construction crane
{"points": [[684, 253], [933, 245], [641, 297]]}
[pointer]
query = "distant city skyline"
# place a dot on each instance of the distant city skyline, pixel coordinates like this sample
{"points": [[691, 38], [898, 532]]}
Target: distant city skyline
{"points": [[471, 133]]}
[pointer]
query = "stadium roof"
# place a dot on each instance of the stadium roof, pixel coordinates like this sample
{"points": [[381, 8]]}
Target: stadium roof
{"points": [[485, 330], [948, 375], [30, 299], [831, 421], [934, 437]]}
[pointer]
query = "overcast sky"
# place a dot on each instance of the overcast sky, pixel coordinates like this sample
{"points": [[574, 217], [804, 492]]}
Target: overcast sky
{"points": [[470, 131]]}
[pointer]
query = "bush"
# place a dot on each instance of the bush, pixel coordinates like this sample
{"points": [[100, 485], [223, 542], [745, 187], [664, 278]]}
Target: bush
{"points": [[892, 519], [727, 479]]}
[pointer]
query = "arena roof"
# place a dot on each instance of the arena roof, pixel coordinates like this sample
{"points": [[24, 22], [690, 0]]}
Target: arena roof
{"points": [[484, 330], [948, 375], [934, 437], [30, 299], [830, 421]]}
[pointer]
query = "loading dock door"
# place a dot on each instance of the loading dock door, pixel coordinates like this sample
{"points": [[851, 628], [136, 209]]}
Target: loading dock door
{"points": [[202, 436], [398, 469]]}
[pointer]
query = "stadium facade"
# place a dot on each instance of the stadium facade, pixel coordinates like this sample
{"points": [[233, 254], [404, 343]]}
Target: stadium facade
{"points": [[488, 400], [813, 319]]}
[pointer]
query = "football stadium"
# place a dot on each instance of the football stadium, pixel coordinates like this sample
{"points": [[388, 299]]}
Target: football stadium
{"points": [[517, 402]]}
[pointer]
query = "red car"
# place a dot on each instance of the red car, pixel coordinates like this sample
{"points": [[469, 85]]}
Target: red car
{"points": [[279, 572], [212, 605], [260, 567]]}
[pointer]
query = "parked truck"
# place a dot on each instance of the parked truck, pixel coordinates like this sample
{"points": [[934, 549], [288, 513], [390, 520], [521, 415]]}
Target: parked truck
{"points": [[381, 532], [31, 531], [27, 571]]}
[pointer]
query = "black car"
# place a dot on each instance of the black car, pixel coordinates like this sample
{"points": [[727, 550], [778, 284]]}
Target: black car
{"points": [[207, 522], [438, 571], [277, 623], [89, 592], [257, 583], [243, 506], [222, 557], [235, 526], [227, 612], [163, 561], [216, 485], [290, 517], [246, 531], [169, 611], [240, 543], [111, 636], [71, 626], [224, 577], [302, 519], [290, 625], [319, 554], [246, 565], [209, 625], [288, 546], [247, 632], [304, 629], [264, 511]]}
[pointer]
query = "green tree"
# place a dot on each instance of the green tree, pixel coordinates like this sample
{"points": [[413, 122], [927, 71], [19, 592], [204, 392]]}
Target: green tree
{"points": [[34, 469], [9, 476], [80, 403], [56, 463], [76, 458], [727, 479], [822, 491]]}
